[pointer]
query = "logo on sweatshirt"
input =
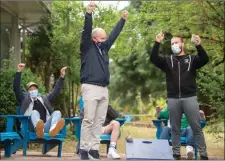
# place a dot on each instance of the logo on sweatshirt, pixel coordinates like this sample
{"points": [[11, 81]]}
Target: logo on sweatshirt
{"points": [[186, 61]]}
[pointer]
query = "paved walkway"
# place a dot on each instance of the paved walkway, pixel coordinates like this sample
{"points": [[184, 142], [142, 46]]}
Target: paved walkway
{"points": [[49, 156], [67, 156]]}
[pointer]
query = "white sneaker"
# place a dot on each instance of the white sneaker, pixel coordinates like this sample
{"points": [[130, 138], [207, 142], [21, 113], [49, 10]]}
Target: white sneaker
{"points": [[189, 152], [113, 154]]}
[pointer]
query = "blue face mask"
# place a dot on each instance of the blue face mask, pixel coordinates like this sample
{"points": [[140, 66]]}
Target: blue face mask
{"points": [[176, 49], [33, 94]]}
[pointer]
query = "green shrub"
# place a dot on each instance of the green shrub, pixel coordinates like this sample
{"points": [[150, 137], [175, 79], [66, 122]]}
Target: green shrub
{"points": [[8, 101], [70, 133]]}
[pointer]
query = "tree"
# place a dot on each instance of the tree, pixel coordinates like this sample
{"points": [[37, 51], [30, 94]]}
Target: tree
{"points": [[40, 57], [174, 18], [56, 43], [8, 101]]}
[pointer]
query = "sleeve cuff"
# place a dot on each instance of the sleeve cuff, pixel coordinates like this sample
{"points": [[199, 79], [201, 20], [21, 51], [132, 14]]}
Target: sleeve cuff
{"points": [[199, 46], [61, 78], [122, 19], [157, 43], [88, 14]]}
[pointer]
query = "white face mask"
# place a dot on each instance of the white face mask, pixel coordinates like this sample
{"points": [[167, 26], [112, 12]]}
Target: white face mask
{"points": [[33, 94], [176, 49]]}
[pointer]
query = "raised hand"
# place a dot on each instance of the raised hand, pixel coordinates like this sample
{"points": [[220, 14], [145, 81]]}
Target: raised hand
{"points": [[63, 72], [20, 67], [124, 14], [159, 37], [196, 39], [91, 7]]}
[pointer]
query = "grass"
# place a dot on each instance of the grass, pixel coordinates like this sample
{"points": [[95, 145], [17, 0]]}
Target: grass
{"points": [[214, 147]]}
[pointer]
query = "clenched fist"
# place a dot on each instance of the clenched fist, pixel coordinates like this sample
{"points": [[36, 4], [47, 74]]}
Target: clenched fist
{"points": [[20, 67], [124, 14], [91, 7], [63, 72], [196, 39]]}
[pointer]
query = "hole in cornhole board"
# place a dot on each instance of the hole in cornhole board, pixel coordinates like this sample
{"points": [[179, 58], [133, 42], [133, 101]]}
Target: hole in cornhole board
{"points": [[146, 142]]}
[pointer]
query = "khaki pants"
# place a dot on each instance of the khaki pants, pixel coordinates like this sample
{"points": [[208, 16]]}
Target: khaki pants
{"points": [[95, 108]]}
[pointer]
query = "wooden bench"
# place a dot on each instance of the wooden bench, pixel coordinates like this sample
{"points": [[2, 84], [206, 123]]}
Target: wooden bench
{"points": [[158, 125], [50, 142], [29, 136], [104, 138], [11, 138]]}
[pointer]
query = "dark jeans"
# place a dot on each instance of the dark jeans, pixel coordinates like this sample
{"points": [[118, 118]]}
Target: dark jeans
{"points": [[186, 132]]}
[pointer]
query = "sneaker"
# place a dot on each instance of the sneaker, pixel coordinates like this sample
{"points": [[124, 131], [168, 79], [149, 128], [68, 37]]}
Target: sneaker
{"points": [[40, 129], [204, 158], [94, 155], [189, 152], [83, 155], [113, 154], [176, 157], [55, 129]]}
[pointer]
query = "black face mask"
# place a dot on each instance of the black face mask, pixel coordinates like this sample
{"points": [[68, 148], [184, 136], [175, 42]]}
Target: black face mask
{"points": [[100, 45]]}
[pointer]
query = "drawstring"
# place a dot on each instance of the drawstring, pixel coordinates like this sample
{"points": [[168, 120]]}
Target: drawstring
{"points": [[100, 51], [171, 60], [189, 63]]}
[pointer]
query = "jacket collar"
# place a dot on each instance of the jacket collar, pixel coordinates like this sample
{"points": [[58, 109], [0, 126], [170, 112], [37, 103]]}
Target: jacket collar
{"points": [[189, 64]]}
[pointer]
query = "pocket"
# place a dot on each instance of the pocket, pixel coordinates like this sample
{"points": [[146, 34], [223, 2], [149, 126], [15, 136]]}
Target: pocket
{"points": [[106, 59], [84, 88]]}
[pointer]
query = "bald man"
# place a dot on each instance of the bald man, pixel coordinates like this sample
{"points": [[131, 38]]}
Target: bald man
{"points": [[94, 77]]}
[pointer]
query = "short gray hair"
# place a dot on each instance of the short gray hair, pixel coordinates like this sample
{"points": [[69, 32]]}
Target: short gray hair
{"points": [[96, 30]]}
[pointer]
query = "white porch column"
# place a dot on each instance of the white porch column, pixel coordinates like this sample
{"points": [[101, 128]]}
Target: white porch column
{"points": [[24, 41], [15, 39]]}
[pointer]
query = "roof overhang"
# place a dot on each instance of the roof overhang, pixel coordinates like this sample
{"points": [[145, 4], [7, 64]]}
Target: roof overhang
{"points": [[29, 12]]}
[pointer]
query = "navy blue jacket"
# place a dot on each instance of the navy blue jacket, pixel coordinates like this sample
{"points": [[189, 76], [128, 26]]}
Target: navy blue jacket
{"points": [[94, 58]]}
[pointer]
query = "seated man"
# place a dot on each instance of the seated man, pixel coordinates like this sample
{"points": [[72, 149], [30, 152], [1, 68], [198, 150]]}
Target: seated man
{"points": [[111, 126], [186, 130], [43, 118]]}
